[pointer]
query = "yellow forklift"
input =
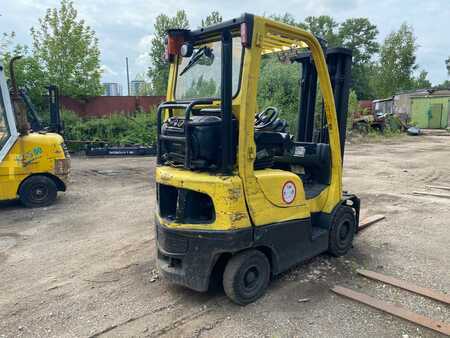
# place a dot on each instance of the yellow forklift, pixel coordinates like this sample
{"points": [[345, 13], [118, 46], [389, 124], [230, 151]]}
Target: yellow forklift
{"points": [[239, 197], [34, 162]]}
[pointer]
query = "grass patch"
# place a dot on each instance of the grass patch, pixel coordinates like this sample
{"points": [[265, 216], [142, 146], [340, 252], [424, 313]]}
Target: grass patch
{"points": [[117, 130]]}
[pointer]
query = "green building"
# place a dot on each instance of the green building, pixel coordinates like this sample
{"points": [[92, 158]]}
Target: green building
{"points": [[424, 108]]}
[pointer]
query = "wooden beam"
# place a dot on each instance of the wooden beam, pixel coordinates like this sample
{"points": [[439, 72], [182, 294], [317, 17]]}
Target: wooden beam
{"points": [[438, 187], [433, 294], [426, 193], [394, 310], [369, 221]]}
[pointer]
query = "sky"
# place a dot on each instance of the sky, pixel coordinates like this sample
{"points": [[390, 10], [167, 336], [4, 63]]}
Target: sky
{"points": [[125, 27]]}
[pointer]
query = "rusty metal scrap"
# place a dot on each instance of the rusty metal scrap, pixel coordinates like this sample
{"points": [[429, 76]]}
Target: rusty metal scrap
{"points": [[369, 221], [439, 296], [394, 310], [426, 193]]}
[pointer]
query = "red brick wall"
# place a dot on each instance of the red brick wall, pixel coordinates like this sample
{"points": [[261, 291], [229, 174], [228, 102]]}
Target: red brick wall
{"points": [[98, 106]]}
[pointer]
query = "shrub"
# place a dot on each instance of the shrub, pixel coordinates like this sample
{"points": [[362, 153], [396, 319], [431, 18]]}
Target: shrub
{"points": [[118, 130]]}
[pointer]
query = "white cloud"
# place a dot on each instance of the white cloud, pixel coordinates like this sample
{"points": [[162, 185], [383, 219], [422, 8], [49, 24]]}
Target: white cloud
{"points": [[143, 48], [145, 42], [107, 71]]}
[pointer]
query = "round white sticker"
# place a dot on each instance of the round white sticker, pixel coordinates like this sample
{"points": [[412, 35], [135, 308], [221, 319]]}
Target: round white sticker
{"points": [[289, 192]]}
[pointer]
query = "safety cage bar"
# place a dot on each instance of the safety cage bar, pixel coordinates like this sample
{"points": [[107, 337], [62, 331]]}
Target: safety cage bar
{"points": [[171, 105], [226, 158]]}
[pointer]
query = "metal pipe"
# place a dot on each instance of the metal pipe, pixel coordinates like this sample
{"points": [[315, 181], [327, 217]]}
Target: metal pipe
{"points": [[19, 108], [128, 76]]}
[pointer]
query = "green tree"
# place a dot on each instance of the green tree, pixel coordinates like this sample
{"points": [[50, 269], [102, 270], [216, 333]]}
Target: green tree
{"points": [[353, 109], [447, 64], [422, 81], [145, 87], [278, 86], [202, 88], [213, 18], [324, 27], [364, 78], [67, 51], [158, 72], [28, 72], [444, 85], [397, 62], [5, 40], [360, 35], [286, 18]]}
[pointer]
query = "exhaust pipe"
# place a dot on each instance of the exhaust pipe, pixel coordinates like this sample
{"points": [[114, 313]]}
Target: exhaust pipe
{"points": [[18, 105]]}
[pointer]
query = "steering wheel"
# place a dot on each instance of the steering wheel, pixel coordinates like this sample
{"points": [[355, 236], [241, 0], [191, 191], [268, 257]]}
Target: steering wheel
{"points": [[266, 118]]}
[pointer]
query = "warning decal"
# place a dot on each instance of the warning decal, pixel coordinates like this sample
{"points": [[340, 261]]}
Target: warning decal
{"points": [[289, 192]]}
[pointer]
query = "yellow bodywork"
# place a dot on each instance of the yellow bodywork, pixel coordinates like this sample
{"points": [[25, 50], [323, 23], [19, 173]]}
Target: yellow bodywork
{"points": [[254, 196], [32, 154]]}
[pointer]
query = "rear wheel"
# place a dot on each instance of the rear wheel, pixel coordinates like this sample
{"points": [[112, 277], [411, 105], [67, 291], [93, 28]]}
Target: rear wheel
{"points": [[246, 276], [342, 231], [38, 191]]}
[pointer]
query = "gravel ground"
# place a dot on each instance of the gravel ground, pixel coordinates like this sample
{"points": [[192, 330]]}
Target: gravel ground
{"points": [[86, 266]]}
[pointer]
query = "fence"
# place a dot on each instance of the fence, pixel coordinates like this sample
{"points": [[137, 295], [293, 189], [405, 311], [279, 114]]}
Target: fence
{"points": [[98, 106]]}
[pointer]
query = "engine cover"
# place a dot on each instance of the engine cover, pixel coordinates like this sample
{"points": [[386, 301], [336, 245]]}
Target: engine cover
{"points": [[204, 141]]}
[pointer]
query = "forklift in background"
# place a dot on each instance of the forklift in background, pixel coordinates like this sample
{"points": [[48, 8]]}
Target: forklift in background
{"points": [[35, 121], [34, 162], [241, 199]]}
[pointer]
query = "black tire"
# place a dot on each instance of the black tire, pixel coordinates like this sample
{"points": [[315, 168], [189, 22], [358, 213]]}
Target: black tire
{"points": [[38, 191], [343, 228], [246, 276]]}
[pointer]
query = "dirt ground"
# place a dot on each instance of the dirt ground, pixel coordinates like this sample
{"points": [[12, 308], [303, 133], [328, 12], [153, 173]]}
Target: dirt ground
{"points": [[86, 266]]}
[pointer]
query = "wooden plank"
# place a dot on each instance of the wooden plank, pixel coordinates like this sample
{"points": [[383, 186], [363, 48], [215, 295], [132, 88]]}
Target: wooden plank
{"points": [[369, 221], [426, 193], [394, 310], [438, 187], [433, 294]]}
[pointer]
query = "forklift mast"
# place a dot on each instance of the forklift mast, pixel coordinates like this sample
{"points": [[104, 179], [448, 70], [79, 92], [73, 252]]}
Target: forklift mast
{"points": [[25, 111], [32, 115], [339, 62], [55, 115], [35, 120]]}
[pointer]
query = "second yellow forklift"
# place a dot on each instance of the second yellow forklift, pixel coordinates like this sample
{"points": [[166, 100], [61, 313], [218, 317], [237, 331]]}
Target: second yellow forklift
{"points": [[34, 162]]}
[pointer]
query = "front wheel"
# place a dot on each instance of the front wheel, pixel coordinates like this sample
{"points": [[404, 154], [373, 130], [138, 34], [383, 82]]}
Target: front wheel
{"points": [[38, 191], [342, 231], [246, 276]]}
